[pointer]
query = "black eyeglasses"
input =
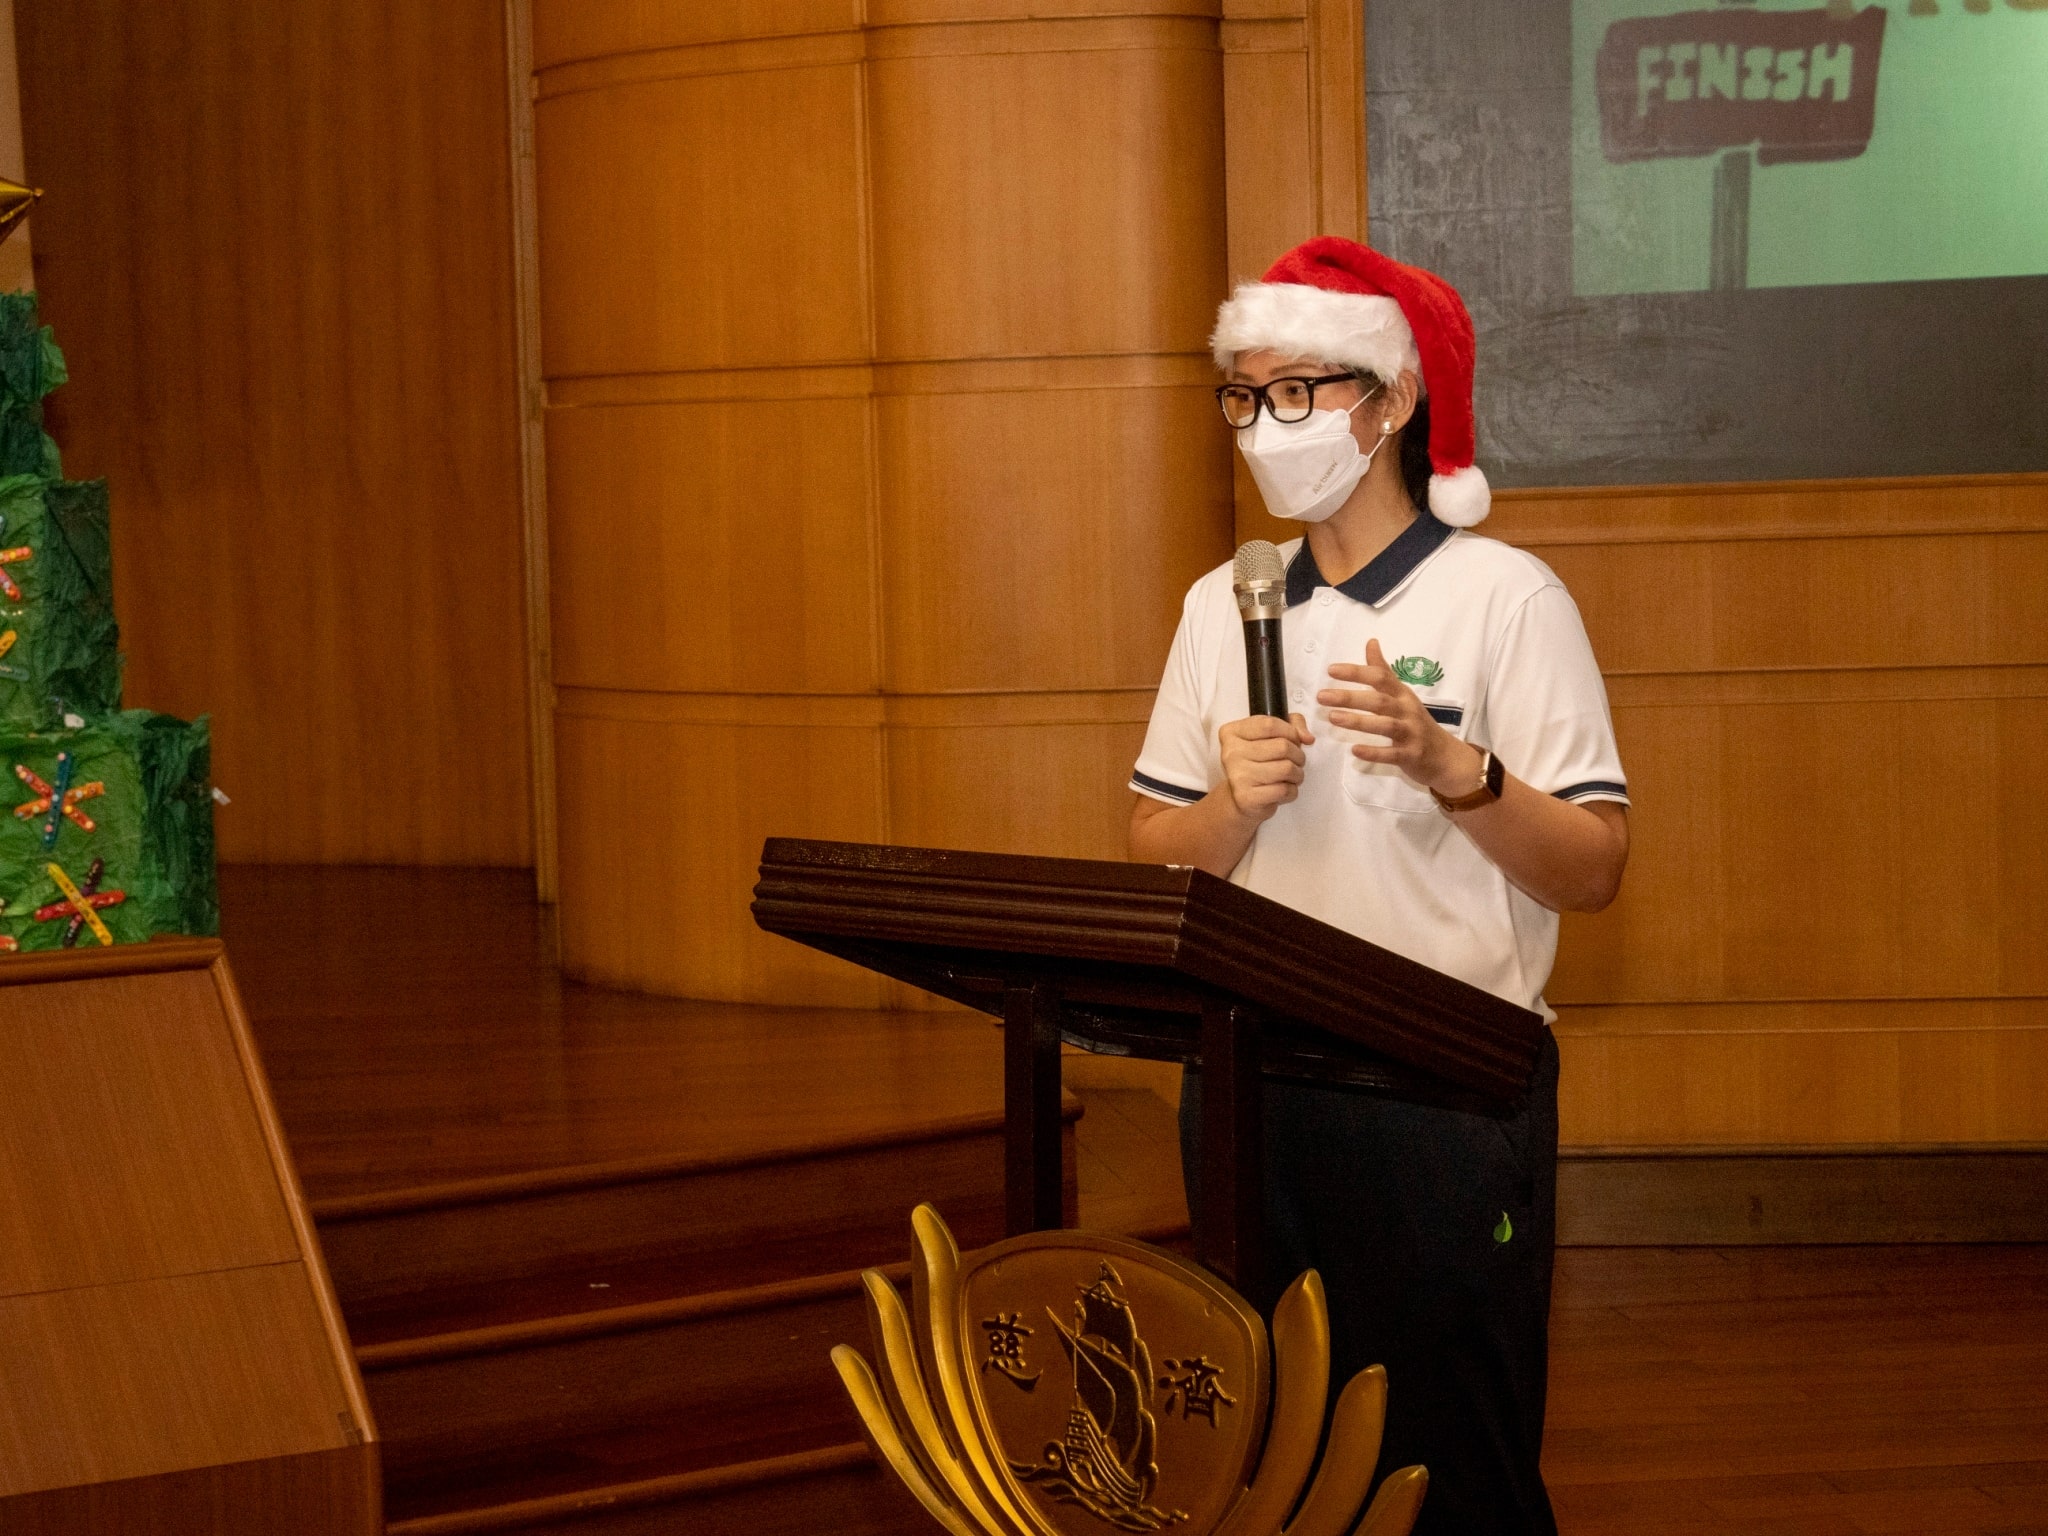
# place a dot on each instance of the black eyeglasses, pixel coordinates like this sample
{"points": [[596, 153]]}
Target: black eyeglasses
{"points": [[1289, 399]]}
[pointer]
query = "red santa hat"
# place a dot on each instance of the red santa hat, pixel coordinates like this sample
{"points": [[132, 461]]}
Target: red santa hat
{"points": [[1340, 302]]}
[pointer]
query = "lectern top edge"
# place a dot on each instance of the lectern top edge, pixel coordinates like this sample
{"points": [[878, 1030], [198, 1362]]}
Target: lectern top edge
{"points": [[884, 858]]}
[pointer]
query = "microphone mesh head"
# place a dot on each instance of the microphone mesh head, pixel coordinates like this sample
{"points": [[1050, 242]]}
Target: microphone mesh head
{"points": [[1259, 560]]}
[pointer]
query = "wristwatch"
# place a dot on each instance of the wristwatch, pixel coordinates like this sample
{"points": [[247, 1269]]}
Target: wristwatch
{"points": [[1492, 774]]}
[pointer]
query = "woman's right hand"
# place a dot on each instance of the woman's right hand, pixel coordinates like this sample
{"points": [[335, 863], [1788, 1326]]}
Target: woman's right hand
{"points": [[1263, 762]]}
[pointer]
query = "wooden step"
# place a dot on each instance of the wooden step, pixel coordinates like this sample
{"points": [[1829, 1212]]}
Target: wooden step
{"points": [[836, 1489], [503, 1374], [560, 1404], [476, 1253]]}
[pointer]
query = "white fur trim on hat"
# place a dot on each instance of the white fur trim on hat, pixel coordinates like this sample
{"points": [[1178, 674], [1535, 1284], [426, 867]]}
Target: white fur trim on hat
{"points": [[1361, 331], [1461, 498]]}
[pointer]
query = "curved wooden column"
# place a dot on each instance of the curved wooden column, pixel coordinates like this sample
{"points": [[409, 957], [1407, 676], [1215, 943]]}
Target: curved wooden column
{"points": [[879, 449]]}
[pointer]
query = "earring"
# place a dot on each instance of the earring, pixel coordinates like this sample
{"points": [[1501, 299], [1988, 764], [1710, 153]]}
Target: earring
{"points": [[1386, 428]]}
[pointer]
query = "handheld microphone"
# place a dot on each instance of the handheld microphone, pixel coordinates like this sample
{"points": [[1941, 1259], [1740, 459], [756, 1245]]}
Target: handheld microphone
{"points": [[1260, 583]]}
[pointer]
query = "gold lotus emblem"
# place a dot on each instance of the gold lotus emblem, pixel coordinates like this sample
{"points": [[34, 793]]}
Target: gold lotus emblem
{"points": [[1074, 1383]]}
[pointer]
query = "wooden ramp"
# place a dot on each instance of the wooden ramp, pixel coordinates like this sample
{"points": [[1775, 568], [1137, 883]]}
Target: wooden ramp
{"points": [[593, 1248], [169, 1346]]}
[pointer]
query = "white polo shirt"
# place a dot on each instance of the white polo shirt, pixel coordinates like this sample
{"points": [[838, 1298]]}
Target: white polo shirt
{"points": [[1492, 643]]}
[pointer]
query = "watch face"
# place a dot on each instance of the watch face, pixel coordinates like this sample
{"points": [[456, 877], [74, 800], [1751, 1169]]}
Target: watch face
{"points": [[1496, 775]]}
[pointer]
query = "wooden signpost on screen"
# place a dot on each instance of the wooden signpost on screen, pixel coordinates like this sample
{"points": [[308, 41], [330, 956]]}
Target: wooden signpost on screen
{"points": [[1163, 962], [171, 1355], [1755, 87]]}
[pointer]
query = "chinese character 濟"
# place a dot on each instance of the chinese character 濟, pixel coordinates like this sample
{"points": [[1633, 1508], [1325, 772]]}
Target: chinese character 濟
{"points": [[1196, 1385]]}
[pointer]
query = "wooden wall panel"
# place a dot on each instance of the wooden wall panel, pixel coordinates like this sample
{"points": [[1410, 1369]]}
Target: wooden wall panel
{"points": [[1857, 856], [1042, 514], [1294, 94], [566, 31], [277, 251], [875, 482], [1038, 773], [16, 266], [666, 799], [1829, 697], [1016, 773], [1046, 187], [1043, 537], [1840, 603], [729, 236], [1269, 174], [1886, 1085], [713, 545], [711, 483]]}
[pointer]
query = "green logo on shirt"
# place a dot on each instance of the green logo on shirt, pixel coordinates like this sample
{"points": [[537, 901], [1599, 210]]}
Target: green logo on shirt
{"points": [[1505, 1230], [1418, 672]]}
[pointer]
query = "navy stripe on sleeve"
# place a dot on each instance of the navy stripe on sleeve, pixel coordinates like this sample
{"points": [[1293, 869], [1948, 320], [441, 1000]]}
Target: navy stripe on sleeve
{"points": [[1446, 714], [1591, 787], [1147, 784]]}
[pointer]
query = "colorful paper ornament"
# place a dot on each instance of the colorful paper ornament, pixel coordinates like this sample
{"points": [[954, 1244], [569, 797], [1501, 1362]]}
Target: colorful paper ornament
{"points": [[94, 898], [10, 556], [44, 794], [60, 792], [80, 904]]}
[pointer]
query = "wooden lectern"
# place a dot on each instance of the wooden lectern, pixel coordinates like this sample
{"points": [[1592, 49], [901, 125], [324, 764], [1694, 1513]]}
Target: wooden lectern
{"points": [[1160, 961]]}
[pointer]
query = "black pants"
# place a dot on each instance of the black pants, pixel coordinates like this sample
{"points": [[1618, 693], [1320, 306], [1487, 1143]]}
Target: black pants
{"points": [[1434, 1233]]}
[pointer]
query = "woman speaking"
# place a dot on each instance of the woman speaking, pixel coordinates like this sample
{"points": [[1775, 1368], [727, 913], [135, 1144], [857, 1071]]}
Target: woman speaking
{"points": [[1446, 784]]}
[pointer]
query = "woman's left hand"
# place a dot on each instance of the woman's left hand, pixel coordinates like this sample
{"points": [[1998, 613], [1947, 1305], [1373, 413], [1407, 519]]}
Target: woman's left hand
{"points": [[1383, 705]]}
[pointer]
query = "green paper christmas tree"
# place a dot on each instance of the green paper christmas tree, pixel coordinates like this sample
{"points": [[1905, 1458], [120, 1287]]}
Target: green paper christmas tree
{"points": [[110, 839]]}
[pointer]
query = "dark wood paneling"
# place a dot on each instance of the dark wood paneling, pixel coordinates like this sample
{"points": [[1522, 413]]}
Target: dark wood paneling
{"points": [[277, 250], [1638, 1198]]}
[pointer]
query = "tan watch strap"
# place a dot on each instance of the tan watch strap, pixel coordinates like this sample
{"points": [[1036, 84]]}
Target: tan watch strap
{"points": [[1485, 794]]}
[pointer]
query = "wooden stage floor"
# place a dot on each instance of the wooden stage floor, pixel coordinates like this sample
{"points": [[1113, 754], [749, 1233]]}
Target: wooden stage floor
{"points": [[416, 1032]]}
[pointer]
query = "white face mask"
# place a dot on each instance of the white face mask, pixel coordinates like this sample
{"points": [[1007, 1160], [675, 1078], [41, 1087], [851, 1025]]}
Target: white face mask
{"points": [[1306, 469]]}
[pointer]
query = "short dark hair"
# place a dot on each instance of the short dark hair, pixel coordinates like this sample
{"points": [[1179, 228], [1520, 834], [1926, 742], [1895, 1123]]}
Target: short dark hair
{"points": [[1415, 469]]}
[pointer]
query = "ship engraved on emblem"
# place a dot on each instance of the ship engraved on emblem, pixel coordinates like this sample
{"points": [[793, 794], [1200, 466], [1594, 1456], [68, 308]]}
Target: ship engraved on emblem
{"points": [[1105, 1464]]}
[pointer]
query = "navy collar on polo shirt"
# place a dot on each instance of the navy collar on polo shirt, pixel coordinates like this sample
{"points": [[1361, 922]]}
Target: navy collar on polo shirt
{"points": [[1380, 575]]}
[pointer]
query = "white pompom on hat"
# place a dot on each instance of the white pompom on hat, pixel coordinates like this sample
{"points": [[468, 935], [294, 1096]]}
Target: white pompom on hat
{"points": [[1336, 301]]}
